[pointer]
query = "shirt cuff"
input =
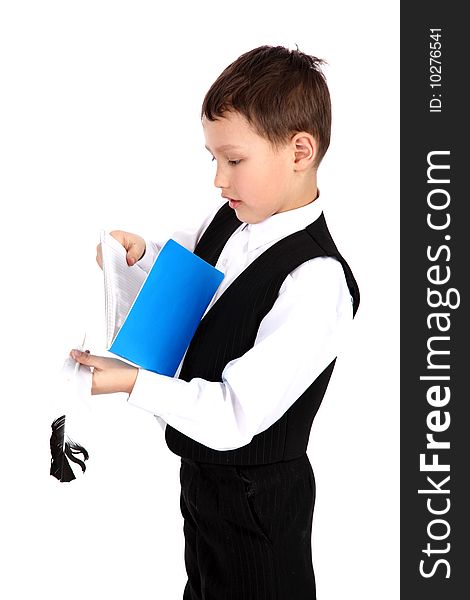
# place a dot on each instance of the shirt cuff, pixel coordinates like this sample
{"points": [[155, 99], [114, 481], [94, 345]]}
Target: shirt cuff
{"points": [[152, 392], [150, 254]]}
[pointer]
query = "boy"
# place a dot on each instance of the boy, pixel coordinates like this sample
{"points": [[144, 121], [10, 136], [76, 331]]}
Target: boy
{"points": [[240, 408]]}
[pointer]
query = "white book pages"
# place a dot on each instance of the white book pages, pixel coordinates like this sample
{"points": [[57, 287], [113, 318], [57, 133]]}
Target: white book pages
{"points": [[122, 284]]}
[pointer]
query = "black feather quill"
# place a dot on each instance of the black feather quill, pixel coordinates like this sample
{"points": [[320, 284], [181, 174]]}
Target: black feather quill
{"points": [[63, 449]]}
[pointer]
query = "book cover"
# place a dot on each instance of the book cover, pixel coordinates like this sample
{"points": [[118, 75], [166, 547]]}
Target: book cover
{"points": [[167, 310]]}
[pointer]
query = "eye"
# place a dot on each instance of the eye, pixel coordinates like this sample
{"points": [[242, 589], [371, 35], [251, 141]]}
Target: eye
{"points": [[232, 163]]}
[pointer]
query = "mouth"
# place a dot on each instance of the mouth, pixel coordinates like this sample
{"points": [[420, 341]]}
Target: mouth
{"points": [[231, 202]]}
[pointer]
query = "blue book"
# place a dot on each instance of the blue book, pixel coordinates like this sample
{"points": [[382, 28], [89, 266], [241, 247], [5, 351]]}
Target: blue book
{"points": [[152, 318]]}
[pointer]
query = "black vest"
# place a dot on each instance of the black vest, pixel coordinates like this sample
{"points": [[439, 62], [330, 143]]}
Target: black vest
{"points": [[229, 329]]}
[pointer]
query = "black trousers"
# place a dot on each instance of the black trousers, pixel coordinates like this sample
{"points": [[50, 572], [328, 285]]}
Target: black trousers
{"points": [[248, 530]]}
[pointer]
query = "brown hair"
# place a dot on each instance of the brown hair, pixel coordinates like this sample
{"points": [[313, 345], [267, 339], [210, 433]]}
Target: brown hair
{"points": [[279, 91]]}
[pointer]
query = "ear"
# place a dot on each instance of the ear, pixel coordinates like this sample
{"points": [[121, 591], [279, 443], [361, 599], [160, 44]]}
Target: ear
{"points": [[305, 151]]}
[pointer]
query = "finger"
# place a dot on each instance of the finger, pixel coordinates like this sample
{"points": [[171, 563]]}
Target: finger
{"points": [[134, 245], [99, 256], [134, 253], [90, 360]]}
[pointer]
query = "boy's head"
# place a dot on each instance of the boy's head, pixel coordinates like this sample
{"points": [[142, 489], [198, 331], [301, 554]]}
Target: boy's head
{"points": [[274, 104]]}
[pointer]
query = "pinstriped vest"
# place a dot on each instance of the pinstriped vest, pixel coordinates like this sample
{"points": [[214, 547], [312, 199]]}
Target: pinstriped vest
{"points": [[229, 329]]}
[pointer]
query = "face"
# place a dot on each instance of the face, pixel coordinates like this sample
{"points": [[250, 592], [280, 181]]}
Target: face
{"points": [[255, 178]]}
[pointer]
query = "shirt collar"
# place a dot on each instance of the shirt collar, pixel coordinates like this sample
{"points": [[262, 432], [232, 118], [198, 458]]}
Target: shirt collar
{"points": [[282, 224]]}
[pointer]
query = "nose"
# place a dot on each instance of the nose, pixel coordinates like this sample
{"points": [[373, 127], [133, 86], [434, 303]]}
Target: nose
{"points": [[221, 178]]}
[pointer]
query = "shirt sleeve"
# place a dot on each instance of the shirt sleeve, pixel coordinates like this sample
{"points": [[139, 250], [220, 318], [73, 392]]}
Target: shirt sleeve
{"points": [[186, 237], [296, 341]]}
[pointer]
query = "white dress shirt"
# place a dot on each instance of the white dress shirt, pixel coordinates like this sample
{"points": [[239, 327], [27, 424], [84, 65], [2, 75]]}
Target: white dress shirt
{"points": [[296, 340]]}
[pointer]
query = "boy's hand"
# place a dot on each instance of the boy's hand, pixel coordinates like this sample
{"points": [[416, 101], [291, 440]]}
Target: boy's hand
{"points": [[133, 243], [110, 375]]}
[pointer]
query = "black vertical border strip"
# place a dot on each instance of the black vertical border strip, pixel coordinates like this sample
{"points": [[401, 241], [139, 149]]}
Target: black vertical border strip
{"points": [[422, 132]]}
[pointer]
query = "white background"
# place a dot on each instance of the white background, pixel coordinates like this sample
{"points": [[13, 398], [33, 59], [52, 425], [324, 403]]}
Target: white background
{"points": [[100, 128]]}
